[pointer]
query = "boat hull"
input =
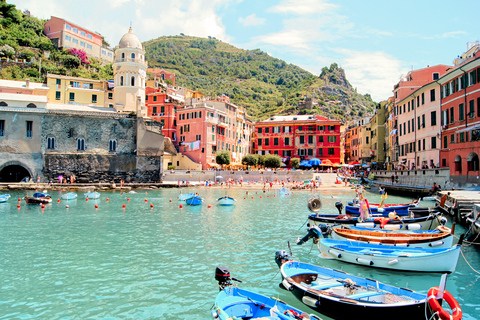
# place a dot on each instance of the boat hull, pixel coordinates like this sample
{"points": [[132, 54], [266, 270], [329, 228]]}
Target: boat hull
{"points": [[338, 306], [226, 201], [242, 304], [194, 201], [33, 200], [394, 258], [92, 195], [442, 239], [183, 197], [400, 210], [4, 198], [69, 196]]}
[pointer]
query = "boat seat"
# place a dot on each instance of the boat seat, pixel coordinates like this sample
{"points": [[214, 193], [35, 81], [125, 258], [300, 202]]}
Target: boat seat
{"points": [[324, 285], [365, 295]]}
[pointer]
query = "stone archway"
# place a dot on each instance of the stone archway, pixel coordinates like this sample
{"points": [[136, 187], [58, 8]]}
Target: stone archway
{"points": [[473, 162], [14, 171]]}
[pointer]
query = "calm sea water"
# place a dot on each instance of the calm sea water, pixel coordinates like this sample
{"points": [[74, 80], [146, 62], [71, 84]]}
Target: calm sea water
{"points": [[158, 263]]}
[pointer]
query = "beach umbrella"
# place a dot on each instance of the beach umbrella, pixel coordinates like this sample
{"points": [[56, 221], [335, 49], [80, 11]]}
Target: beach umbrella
{"points": [[218, 177], [354, 163], [305, 163], [315, 162], [365, 165]]}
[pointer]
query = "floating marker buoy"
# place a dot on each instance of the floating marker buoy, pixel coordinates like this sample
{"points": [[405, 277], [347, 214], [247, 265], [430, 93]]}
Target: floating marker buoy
{"points": [[260, 197], [58, 200], [19, 199], [146, 200], [170, 200], [123, 205], [180, 206], [96, 206], [244, 198], [252, 197], [18, 206], [86, 199], [67, 206], [274, 195], [268, 196], [209, 205], [108, 199], [43, 206], [128, 199], [151, 205]]}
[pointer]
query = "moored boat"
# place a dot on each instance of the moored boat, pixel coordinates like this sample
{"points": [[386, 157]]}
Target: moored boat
{"points": [[377, 208], [340, 295], [69, 196], [387, 257], [234, 303], [4, 198], [38, 198], [226, 201], [92, 195], [441, 238], [284, 191], [194, 200]]}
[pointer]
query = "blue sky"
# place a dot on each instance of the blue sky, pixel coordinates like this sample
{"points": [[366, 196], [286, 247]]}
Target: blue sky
{"points": [[374, 41]]}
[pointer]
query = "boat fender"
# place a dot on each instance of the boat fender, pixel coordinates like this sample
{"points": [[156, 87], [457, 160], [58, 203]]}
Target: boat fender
{"points": [[366, 225], [449, 299], [311, 302], [414, 226], [392, 262], [365, 261], [214, 314], [443, 221], [335, 253], [287, 286], [436, 244], [392, 227]]}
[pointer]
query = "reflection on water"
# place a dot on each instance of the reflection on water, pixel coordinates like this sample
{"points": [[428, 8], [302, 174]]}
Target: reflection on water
{"points": [[142, 262]]}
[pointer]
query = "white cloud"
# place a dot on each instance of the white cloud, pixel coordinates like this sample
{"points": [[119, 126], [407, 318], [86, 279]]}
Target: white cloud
{"points": [[453, 34], [372, 72], [251, 20], [304, 7]]}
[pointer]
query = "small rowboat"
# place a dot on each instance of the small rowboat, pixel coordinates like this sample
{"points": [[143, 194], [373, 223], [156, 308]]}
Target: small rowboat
{"points": [[226, 201], [418, 239], [234, 303], [385, 209], [92, 195], [418, 219], [69, 196], [343, 296], [387, 257], [4, 198], [38, 198], [194, 200]]}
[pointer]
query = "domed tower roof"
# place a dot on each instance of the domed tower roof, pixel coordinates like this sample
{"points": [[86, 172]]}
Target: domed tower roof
{"points": [[130, 40]]}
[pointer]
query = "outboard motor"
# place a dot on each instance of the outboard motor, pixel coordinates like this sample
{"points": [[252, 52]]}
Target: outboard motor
{"points": [[281, 257], [222, 275], [339, 207], [315, 232]]}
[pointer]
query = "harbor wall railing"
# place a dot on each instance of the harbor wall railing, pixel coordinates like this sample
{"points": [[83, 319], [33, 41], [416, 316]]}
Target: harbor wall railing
{"points": [[420, 178]]}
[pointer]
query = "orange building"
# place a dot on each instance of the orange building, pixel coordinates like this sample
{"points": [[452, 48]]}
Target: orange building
{"points": [[65, 34], [162, 105]]}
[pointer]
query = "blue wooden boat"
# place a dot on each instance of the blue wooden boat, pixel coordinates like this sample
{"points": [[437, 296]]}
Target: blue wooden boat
{"points": [[194, 200], [184, 196], [234, 303], [92, 195], [388, 257], [343, 296], [4, 198], [226, 201], [69, 196], [284, 191], [385, 210]]}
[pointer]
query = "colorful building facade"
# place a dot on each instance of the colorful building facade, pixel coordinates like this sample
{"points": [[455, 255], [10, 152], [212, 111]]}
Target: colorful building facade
{"points": [[65, 34], [460, 119], [299, 136]]}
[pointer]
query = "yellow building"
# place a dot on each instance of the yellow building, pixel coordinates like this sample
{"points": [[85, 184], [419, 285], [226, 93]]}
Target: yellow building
{"points": [[73, 90], [377, 131]]}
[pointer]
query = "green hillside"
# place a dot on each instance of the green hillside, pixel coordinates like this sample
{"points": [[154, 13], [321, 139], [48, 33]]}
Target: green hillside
{"points": [[263, 84]]}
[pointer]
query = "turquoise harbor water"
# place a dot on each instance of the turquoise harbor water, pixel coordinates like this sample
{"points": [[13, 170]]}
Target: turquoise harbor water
{"points": [[158, 263]]}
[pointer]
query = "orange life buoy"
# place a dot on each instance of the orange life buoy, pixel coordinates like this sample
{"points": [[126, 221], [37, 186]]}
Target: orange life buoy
{"points": [[437, 308]]}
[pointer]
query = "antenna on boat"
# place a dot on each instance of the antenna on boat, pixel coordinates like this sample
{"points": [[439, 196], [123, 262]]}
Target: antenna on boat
{"points": [[290, 248]]}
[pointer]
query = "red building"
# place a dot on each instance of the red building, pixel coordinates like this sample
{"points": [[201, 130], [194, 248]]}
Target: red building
{"points": [[162, 105], [299, 136], [460, 118], [162, 74]]}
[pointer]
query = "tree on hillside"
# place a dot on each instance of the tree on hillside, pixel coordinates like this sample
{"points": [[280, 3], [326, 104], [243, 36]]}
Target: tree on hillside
{"points": [[223, 157]]}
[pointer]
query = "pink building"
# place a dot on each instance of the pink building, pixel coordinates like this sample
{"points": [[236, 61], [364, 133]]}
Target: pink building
{"points": [[162, 106], [65, 34], [417, 110], [163, 74]]}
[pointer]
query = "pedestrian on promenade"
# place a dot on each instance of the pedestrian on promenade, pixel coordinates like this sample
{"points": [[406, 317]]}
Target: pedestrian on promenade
{"points": [[393, 178]]}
